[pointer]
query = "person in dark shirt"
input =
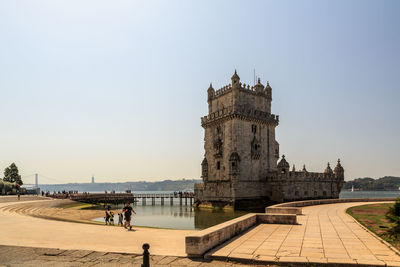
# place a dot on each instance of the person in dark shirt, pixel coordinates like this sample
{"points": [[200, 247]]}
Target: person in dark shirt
{"points": [[107, 218], [127, 214]]}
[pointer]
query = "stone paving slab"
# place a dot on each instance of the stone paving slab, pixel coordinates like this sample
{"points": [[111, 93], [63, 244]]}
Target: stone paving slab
{"points": [[32, 257], [325, 234]]}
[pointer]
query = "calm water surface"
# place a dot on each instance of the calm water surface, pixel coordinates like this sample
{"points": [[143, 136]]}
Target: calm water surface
{"points": [[177, 217], [189, 218]]}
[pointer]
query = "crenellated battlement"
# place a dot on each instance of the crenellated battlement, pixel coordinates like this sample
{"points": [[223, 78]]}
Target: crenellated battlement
{"points": [[310, 176], [243, 112], [265, 91]]}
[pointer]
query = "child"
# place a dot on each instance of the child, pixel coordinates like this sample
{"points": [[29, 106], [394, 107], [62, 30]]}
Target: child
{"points": [[120, 219], [111, 218]]}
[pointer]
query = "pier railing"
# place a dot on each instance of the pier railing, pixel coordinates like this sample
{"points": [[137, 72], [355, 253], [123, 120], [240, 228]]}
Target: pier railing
{"points": [[117, 198]]}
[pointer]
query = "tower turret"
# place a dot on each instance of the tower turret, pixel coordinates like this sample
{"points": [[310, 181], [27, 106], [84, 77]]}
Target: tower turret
{"points": [[328, 169], [235, 80], [259, 88], [283, 165], [339, 171], [211, 94]]}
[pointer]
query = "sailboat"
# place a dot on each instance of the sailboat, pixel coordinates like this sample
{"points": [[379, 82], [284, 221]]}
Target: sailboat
{"points": [[352, 188]]}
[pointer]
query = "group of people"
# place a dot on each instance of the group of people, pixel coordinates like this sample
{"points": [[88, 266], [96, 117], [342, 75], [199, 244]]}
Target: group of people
{"points": [[125, 213]]}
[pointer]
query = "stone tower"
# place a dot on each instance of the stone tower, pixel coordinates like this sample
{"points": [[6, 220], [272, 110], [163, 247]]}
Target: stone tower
{"points": [[239, 142], [239, 168]]}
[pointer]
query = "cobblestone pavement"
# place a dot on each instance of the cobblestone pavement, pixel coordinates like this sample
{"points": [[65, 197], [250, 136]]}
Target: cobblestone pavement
{"points": [[324, 234], [27, 256]]}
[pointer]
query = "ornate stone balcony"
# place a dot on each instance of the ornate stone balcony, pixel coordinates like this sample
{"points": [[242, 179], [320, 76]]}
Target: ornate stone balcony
{"points": [[242, 112]]}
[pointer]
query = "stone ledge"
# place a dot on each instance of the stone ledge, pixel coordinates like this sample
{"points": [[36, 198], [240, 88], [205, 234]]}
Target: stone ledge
{"points": [[295, 207], [277, 218], [283, 210], [202, 241]]}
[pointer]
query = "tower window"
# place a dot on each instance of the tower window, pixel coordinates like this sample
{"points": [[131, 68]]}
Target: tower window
{"points": [[218, 165], [253, 128], [233, 164]]}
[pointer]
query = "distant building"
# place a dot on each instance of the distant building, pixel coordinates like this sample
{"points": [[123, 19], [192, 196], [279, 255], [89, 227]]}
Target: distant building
{"points": [[92, 179], [240, 166]]}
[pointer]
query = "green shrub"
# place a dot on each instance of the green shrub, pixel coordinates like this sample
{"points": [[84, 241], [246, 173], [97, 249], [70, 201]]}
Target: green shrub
{"points": [[393, 216]]}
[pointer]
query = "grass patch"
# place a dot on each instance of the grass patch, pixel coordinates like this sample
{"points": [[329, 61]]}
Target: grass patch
{"points": [[373, 217]]}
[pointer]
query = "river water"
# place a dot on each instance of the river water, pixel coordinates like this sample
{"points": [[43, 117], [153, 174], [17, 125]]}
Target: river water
{"points": [[189, 218]]}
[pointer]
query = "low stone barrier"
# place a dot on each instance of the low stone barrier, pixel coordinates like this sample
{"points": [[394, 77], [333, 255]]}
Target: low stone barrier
{"points": [[202, 241], [283, 210], [277, 218], [295, 207]]}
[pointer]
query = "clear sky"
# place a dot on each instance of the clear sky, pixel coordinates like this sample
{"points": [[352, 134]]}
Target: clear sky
{"points": [[116, 89]]}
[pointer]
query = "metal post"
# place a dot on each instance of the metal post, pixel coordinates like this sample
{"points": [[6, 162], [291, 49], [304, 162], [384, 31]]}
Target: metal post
{"points": [[180, 201], [143, 201], [162, 201], [36, 181], [185, 201], [171, 201], [146, 255], [191, 201], [153, 201]]}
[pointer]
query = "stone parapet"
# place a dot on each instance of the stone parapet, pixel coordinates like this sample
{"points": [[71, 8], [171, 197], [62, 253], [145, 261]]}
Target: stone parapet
{"points": [[245, 89], [198, 243], [283, 210], [241, 112]]}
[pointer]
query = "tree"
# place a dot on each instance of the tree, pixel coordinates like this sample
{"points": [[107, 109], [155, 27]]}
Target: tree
{"points": [[11, 174], [394, 216]]}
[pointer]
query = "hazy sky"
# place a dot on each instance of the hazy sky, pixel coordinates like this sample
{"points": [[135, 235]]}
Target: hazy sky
{"points": [[116, 89]]}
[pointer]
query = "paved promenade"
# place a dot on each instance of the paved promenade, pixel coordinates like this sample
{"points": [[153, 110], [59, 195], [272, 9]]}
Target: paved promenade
{"points": [[325, 234], [21, 230]]}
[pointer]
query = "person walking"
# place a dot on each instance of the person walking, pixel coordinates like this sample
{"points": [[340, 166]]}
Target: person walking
{"points": [[127, 214], [107, 218]]}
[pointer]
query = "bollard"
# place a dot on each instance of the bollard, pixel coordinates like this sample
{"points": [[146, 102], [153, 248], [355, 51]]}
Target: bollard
{"points": [[146, 255]]}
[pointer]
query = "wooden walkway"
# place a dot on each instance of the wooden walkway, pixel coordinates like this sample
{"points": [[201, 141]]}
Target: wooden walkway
{"points": [[118, 198]]}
